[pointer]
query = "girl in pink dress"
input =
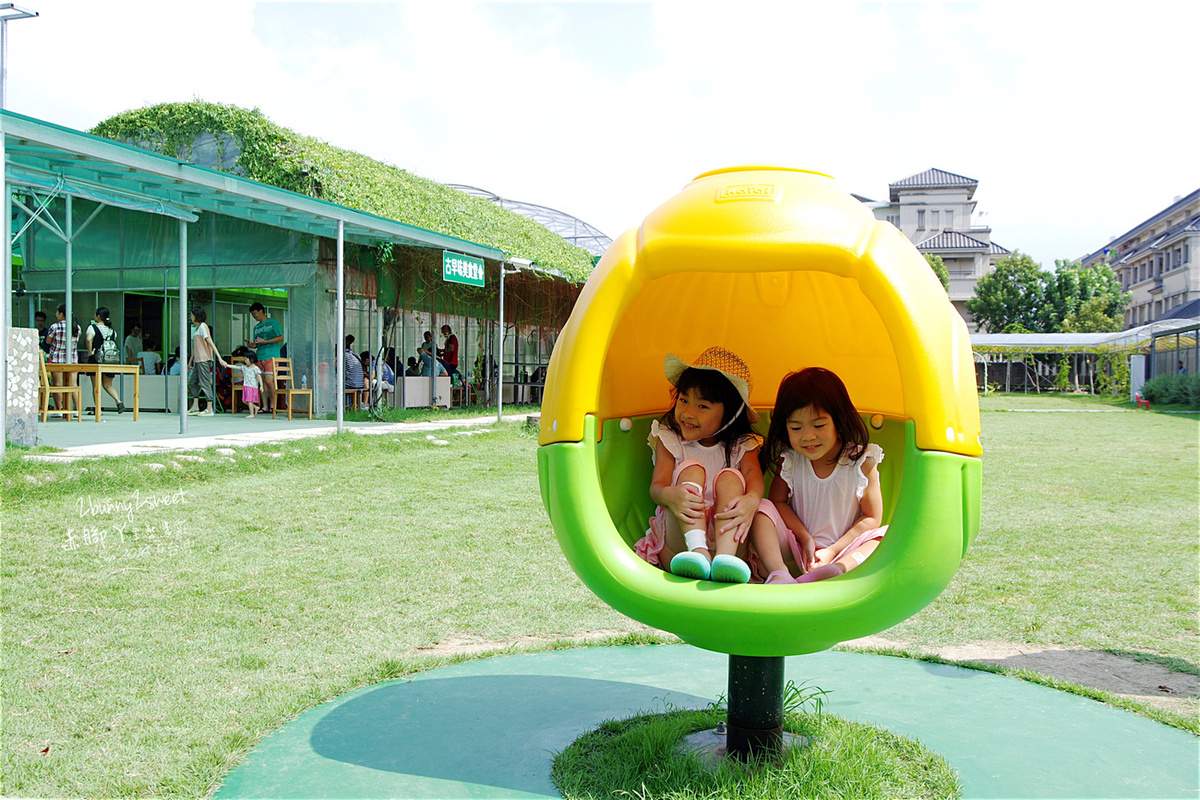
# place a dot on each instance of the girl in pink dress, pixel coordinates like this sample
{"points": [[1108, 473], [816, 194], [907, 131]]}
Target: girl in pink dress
{"points": [[707, 482]]}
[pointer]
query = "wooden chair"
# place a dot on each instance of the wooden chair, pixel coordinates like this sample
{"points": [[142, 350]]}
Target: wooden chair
{"points": [[74, 394], [358, 398], [285, 386], [237, 384]]}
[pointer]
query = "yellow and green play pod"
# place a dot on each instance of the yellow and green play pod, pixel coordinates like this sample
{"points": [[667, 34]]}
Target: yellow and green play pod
{"points": [[789, 271]]}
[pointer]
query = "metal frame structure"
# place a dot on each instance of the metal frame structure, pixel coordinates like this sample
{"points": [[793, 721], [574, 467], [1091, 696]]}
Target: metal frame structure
{"points": [[1186, 350], [573, 229]]}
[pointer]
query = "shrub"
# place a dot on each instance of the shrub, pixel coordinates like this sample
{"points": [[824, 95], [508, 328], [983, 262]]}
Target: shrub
{"points": [[1173, 390]]}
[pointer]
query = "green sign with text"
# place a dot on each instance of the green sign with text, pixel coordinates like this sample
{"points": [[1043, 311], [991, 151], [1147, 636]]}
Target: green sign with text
{"points": [[457, 268]]}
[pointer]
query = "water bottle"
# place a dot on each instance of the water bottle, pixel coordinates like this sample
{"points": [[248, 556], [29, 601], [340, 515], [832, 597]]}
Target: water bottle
{"points": [[304, 381]]}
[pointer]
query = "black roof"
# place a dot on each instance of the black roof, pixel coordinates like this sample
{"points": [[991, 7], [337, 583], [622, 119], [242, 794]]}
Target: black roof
{"points": [[930, 178]]}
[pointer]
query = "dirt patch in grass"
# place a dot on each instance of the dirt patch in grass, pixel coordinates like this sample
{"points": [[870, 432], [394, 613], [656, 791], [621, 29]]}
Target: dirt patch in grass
{"points": [[1154, 684], [455, 646]]}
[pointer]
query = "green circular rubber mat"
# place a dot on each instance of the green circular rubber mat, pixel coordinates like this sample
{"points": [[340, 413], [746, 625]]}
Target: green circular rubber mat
{"points": [[488, 728]]}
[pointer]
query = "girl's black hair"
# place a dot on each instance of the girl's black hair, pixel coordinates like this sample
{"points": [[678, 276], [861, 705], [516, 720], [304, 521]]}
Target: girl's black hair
{"points": [[62, 309], [715, 388], [103, 313], [199, 314], [824, 391]]}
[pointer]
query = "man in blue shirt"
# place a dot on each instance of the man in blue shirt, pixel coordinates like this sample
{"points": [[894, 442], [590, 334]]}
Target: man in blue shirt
{"points": [[266, 341]]}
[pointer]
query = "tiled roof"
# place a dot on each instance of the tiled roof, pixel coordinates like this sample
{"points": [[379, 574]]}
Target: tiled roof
{"points": [[1103, 252], [997, 250], [1190, 224], [952, 240], [1189, 310], [932, 177]]}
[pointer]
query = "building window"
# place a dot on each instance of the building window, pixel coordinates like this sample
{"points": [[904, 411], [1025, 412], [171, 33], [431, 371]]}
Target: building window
{"points": [[1186, 255], [949, 219], [894, 219], [921, 220]]}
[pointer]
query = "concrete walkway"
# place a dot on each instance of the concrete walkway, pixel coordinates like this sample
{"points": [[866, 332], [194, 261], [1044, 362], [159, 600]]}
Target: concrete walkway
{"points": [[154, 432], [490, 728]]}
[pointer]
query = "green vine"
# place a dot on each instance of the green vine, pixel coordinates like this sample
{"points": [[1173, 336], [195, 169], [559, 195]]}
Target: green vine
{"points": [[277, 156]]}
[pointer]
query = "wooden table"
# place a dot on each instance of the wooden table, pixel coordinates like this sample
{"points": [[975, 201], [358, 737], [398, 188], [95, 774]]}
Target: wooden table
{"points": [[95, 371]]}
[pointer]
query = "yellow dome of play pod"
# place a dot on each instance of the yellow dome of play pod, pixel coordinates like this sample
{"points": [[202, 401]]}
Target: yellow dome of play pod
{"points": [[788, 270]]}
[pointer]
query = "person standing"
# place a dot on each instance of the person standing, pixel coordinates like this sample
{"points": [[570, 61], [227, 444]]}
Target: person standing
{"points": [[133, 344], [59, 352], [39, 322], [200, 377], [449, 353], [102, 348], [268, 338]]}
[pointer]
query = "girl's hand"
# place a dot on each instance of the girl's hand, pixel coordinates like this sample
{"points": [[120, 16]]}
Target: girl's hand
{"points": [[823, 556], [737, 516], [807, 552], [685, 503]]}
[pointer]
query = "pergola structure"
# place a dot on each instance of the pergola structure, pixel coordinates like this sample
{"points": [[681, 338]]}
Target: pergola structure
{"points": [[1019, 361], [44, 161]]}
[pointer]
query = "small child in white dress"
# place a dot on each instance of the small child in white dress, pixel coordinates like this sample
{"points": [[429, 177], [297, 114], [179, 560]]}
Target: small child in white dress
{"points": [[251, 381], [827, 504]]}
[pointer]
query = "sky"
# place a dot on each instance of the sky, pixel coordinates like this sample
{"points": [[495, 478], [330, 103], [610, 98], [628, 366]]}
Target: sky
{"points": [[1077, 120]]}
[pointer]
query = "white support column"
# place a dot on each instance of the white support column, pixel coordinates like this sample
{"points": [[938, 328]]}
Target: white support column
{"points": [[7, 310], [68, 260], [339, 346], [184, 328], [500, 351]]}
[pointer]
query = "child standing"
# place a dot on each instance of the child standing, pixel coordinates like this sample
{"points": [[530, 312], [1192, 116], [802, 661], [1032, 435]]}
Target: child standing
{"points": [[827, 498], [251, 381], [707, 482]]}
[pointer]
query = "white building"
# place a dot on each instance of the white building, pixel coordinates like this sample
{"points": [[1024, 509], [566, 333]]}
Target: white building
{"points": [[1157, 262], [934, 209]]}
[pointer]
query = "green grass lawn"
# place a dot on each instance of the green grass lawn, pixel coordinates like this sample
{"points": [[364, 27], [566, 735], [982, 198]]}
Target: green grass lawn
{"points": [[1088, 536], [157, 624]]}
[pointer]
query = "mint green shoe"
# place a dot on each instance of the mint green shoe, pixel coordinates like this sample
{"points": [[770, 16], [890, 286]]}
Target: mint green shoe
{"points": [[729, 569], [690, 565]]}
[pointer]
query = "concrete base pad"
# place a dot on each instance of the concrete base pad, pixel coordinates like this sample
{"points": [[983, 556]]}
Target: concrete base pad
{"points": [[490, 728]]}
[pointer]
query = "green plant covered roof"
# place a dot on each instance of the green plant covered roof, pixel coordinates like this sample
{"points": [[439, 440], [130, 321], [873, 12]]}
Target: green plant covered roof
{"points": [[246, 143]]}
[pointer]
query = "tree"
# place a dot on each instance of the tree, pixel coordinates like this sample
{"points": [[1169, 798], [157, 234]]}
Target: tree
{"points": [[1073, 286], [1013, 294], [1093, 316], [939, 268]]}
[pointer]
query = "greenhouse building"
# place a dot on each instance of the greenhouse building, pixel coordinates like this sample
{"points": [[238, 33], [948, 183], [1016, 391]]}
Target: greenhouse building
{"points": [[218, 205]]}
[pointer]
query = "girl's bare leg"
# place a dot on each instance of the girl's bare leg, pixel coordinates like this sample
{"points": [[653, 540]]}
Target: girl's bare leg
{"points": [[693, 474], [766, 544], [728, 486]]}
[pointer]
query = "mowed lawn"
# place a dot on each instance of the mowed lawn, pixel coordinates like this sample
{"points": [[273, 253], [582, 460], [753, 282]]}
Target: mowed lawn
{"points": [[158, 623]]}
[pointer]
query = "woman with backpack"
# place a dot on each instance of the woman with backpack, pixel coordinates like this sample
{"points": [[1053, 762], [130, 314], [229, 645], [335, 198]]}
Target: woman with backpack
{"points": [[103, 349]]}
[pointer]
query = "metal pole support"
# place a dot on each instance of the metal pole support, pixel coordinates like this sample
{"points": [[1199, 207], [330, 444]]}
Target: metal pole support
{"points": [[755, 707]]}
